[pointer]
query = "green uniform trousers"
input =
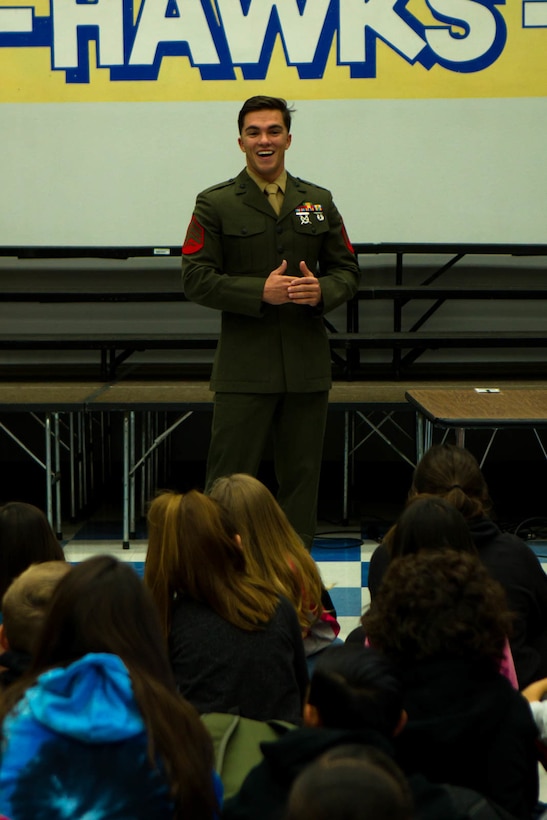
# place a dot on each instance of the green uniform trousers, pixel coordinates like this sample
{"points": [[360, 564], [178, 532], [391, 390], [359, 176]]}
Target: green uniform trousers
{"points": [[242, 424]]}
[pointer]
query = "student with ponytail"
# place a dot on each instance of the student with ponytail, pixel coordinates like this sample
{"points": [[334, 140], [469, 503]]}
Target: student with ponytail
{"points": [[235, 643], [452, 473]]}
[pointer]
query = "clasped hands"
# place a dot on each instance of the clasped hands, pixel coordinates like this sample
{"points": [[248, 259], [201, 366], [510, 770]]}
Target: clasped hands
{"points": [[279, 289]]}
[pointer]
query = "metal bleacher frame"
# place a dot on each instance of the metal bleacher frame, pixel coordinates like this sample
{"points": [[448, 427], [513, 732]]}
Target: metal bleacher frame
{"points": [[63, 408], [406, 344]]}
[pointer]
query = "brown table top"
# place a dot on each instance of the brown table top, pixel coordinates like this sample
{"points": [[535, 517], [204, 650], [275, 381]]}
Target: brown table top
{"points": [[46, 396], [187, 395], [471, 407], [153, 395], [520, 402]]}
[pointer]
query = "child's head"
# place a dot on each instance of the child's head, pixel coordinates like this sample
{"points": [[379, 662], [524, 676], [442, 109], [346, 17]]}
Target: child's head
{"points": [[351, 782], [439, 605], [453, 473], [259, 517], [429, 522], [273, 550], [101, 605], [194, 549], [355, 687], [25, 602], [26, 538]]}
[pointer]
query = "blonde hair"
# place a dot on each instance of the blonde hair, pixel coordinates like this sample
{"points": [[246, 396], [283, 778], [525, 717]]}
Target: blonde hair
{"points": [[272, 547], [26, 600], [193, 550]]}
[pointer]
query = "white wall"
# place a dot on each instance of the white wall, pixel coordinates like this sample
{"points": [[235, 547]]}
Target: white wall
{"points": [[115, 174]]}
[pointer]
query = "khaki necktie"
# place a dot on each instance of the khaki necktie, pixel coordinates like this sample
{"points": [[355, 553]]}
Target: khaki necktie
{"points": [[275, 196]]}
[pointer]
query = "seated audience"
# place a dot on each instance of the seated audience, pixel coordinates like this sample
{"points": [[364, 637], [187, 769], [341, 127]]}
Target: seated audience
{"points": [[430, 523], [355, 701], [275, 553], [351, 783], [26, 538], [454, 474], [23, 608], [235, 644], [96, 728], [354, 698], [444, 621]]}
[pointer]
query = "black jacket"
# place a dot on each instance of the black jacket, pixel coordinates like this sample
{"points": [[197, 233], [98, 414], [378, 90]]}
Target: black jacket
{"points": [[468, 726], [219, 667], [266, 789], [513, 564]]}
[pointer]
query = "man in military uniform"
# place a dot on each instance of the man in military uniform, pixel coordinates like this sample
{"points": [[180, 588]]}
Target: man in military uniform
{"points": [[271, 252]]}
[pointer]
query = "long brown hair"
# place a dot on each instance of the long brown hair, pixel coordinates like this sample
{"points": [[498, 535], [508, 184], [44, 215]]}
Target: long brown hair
{"points": [[193, 550], [101, 605], [26, 538], [273, 550]]}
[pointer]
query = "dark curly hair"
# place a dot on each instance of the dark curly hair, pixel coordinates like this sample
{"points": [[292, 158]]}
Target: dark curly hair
{"points": [[438, 604], [453, 473]]}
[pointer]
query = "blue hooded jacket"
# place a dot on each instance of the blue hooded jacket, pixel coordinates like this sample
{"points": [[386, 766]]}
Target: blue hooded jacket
{"points": [[75, 746]]}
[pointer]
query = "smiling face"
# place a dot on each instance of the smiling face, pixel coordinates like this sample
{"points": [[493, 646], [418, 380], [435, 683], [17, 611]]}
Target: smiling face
{"points": [[264, 140]]}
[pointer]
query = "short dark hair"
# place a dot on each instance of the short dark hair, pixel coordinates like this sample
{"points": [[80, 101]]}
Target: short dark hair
{"points": [[356, 687], [429, 522], [262, 103], [351, 782]]}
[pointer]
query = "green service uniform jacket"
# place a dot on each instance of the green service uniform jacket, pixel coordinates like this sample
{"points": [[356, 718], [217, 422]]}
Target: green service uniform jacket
{"points": [[233, 243]]}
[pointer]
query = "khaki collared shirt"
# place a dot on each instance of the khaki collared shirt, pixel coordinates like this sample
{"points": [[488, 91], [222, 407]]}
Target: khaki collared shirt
{"points": [[281, 181]]}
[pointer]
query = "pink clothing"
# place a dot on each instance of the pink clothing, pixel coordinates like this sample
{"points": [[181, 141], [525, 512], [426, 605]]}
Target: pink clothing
{"points": [[507, 666], [321, 633]]}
